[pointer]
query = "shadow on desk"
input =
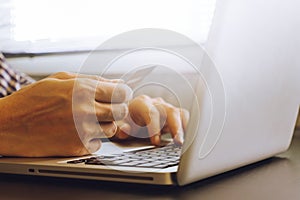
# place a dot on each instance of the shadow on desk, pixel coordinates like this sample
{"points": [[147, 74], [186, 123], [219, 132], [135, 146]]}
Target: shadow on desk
{"points": [[269, 179]]}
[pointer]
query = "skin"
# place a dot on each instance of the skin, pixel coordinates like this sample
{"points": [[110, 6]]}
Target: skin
{"points": [[158, 116], [38, 120]]}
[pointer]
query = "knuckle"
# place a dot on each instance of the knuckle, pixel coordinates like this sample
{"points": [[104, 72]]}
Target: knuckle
{"points": [[81, 90], [122, 92], [173, 110], [83, 93], [120, 111], [59, 92], [107, 113], [84, 111], [63, 75], [102, 89]]}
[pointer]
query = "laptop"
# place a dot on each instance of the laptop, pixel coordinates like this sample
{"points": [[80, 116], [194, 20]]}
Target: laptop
{"points": [[253, 49]]}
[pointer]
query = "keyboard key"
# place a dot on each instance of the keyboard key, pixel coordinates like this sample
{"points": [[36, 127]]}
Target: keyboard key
{"points": [[159, 158], [133, 163]]}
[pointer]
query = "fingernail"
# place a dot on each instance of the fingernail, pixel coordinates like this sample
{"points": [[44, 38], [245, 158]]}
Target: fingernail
{"points": [[156, 140]]}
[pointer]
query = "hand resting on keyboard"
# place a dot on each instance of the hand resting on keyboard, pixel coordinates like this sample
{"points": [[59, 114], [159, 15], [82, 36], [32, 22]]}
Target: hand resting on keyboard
{"points": [[152, 117]]}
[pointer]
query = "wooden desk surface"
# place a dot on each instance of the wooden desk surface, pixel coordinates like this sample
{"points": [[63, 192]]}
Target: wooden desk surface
{"points": [[275, 178]]}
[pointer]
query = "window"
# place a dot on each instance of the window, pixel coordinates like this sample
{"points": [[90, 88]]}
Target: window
{"points": [[36, 26]]}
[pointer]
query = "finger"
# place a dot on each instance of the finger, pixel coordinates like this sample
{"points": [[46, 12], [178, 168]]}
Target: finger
{"points": [[122, 132], [91, 129], [185, 117], [175, 125], [70, 75], [106, 112], [105, 92], [134, 128], [98, 78], [112, 92], [109, 129], [154, 126], [93, 145]]}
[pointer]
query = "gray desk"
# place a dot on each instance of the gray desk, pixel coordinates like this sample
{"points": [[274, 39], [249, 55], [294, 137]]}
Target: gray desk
{"points": [[275, 178]]}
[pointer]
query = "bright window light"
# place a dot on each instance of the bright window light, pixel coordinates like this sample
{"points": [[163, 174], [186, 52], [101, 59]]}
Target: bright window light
{"points": [[84, 24]]}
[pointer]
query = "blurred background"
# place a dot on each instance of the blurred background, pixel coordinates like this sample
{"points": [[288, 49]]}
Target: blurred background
{"points": [[45, 36], [40, 37]]}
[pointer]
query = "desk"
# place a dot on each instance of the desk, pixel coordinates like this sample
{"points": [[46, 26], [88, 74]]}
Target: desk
{"points": [[275, 178]]}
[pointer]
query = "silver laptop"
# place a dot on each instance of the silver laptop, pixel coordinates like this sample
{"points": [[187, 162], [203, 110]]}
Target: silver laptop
{"points": [[254, 49]]}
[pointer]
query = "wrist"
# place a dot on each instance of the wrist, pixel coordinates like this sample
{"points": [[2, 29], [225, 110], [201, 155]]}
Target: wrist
{"points": [[4, 117], [8, 126]]}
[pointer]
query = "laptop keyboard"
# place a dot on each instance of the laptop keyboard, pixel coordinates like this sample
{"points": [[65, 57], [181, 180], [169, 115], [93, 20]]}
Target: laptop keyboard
{"points": [[162, 157]]}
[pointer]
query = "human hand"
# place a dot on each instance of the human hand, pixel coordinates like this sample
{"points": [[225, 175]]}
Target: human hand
{"points": [[157, 115], [38, 120]]}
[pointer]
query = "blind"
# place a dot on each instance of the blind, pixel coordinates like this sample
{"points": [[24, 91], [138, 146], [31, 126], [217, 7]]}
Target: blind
{"points": [[36, 26]]}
